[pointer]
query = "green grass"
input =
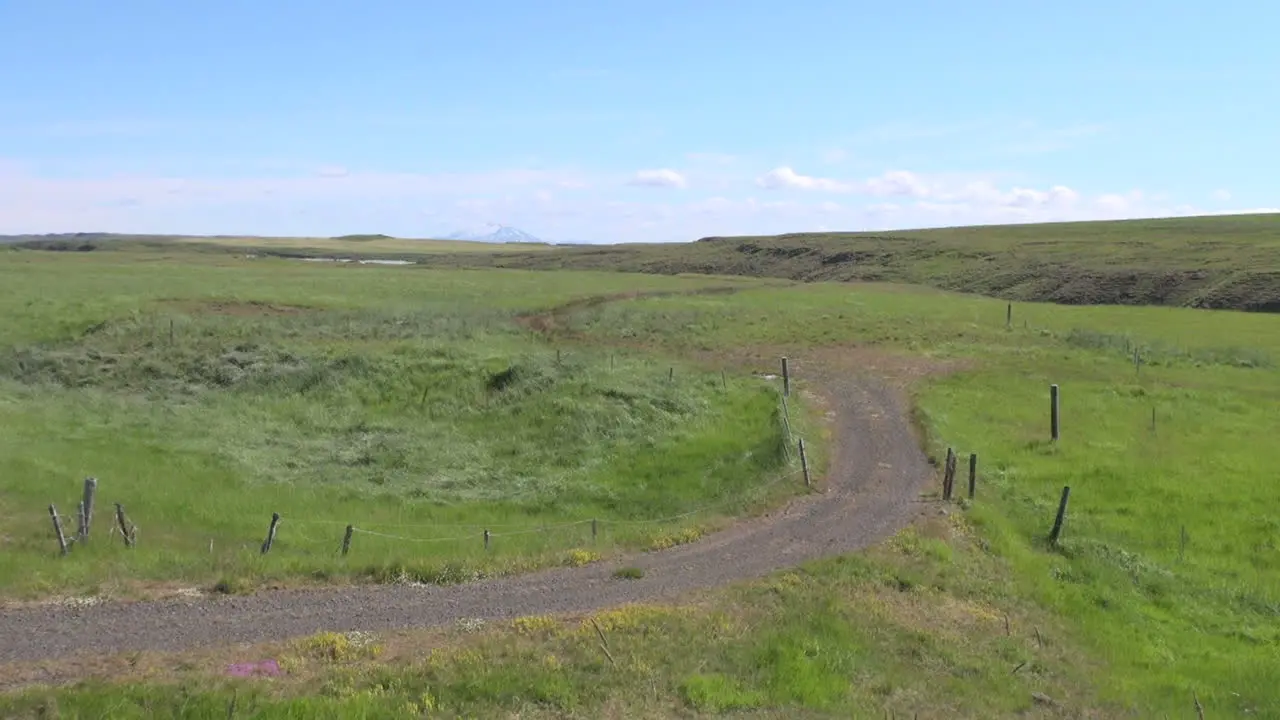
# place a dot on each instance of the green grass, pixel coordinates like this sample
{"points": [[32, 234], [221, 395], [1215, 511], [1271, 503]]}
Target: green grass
{"points": [[1167, 619], [1123, 619], [911, 629], [408, 403], [1225, 262], [369, 245]]}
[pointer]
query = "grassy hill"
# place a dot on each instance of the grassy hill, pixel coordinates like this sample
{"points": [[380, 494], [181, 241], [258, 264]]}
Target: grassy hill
{"points": [[1226, 262], [1220, 262], [369, 245]]}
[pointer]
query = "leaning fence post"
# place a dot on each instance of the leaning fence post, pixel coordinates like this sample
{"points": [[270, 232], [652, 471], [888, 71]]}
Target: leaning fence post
{"points": [[804, 464], [57, 530], [973, 474], [90, 491], [128, 535], [1062, 514], [786, 378], [271, 533], [346, 539]]}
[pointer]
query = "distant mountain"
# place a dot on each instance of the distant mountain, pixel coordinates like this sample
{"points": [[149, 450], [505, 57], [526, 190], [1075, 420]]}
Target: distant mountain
{"points": [[494, 233]]}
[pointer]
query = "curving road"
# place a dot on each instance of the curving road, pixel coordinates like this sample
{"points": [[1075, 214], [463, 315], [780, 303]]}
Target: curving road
{"points": [[876, 477]]}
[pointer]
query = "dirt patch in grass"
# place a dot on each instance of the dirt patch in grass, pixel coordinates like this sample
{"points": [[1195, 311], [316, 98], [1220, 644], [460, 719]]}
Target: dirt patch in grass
{"points": [[235, 308], [902, 369], [550, 322]]}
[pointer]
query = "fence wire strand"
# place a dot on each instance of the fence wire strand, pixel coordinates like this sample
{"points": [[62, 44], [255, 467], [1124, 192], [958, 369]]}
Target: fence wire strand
{"points": [[752, 495]]}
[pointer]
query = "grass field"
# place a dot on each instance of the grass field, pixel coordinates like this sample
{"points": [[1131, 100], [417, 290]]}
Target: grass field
{"points": [[411, 404], [363, 244], [1164, 592], [1221, 262]]}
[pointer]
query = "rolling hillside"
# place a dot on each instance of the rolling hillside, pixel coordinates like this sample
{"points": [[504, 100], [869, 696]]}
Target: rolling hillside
{"points": [[1221, 262], [1225, 262]]}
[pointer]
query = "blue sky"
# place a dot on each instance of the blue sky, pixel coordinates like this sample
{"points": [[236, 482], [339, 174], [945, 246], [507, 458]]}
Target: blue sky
{"points": [[629, 120]]}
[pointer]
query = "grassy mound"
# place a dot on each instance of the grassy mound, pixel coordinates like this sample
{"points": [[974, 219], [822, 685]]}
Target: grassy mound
{"points": [[421, 424]]}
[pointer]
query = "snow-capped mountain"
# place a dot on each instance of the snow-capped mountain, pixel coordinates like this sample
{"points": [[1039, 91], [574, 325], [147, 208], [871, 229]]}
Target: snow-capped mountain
{"points": [[494, 233]]}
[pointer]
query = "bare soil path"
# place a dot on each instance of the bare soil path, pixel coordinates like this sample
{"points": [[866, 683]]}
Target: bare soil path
{"points": [[874, 486]]}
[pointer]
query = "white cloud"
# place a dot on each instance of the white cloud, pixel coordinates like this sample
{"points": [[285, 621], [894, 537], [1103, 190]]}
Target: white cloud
{"points": [[665, 178], [785, 177], [418, 205], [1221, 195], [896, 182]]}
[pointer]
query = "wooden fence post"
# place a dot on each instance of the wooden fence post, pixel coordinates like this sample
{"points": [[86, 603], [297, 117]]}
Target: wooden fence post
{"points": [[804, 464], [948, 474], [973, 474], [486, 539], [129, 535], [346, 540], [951, 475], [1008, 317], [90, 492], [594, 529], [786, 378], [1061, 516], [271, 533], [57, 530], [786, 423], [80, 532], [1053, 411]]}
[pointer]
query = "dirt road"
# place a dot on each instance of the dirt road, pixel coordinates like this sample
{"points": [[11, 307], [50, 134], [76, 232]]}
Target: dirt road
{"points": [[876, 476]]}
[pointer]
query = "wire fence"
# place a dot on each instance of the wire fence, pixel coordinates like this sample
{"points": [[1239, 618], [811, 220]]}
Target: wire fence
{"points": [[297, 528], [492, 531]]}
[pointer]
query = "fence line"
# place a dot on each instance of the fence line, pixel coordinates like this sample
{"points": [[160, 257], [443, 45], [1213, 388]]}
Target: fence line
{"points": [[528, 530], [410, 539]]}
